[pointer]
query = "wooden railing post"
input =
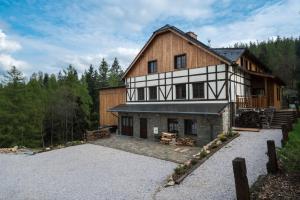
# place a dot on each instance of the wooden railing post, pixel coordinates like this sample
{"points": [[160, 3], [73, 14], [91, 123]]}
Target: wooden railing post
{"points": [[272, 166], [240, 178], [285, 134]]}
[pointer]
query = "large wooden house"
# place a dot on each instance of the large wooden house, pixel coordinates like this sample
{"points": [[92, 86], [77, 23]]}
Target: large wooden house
{"points": [[178, 84]]}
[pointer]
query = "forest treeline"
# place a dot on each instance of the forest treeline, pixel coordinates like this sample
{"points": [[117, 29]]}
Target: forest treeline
{"points": [[282, 56], [52, 109]]}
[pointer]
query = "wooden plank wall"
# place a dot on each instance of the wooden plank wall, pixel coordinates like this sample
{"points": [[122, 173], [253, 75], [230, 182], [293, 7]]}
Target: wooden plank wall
{"points": [[163, 48], [109, 98]]}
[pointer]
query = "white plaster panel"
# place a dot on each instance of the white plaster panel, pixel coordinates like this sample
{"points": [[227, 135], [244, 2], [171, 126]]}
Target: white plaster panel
{"points": [[221, 68], [168, 81], [168, 74], [152, 83], [212, 76], [140, 78], [180, 80], [180, 73], [152, 76], [200, 70], [198, 78], [140, 84], [221, 75], [211, 68]]}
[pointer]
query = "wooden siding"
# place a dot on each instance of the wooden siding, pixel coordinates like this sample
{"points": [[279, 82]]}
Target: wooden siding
{"points": [[109, 98], [249, 64], [163, 48]]}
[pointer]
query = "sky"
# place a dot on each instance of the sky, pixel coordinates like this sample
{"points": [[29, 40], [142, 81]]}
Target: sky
{"points": [[48, 35]]}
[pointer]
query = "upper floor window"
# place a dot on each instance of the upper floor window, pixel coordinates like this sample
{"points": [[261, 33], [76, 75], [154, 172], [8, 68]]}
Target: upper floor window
{"points": [[180, 61], [153, 93], [141, 94], [198, 90], [180, 91], [152, 67]]}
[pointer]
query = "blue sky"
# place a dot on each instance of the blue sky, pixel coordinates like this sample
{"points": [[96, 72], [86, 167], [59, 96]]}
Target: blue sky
{"points": [[47, 35]]}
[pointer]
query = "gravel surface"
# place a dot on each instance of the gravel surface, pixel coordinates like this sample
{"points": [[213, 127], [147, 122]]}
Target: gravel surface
{"points": [[214, 179], [81, 172]]}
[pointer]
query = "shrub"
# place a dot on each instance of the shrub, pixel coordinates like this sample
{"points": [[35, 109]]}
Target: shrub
{"points": [[213, 145], [203, 154], [194, 161], [181, 169], [290, 154], [222, 137], [231, 133]]}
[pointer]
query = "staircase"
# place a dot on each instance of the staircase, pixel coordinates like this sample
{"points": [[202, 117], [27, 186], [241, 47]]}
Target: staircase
{"points": [[282, 117]]}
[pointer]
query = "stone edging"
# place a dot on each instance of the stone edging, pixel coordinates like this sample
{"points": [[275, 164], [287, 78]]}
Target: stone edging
{"points": [[200, 162]]}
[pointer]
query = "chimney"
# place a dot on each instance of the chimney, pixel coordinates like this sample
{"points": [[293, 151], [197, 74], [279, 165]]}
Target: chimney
{"points": [[192, 34]]}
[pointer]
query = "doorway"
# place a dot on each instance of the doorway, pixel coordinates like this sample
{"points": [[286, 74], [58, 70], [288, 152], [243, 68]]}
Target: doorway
{"points": [[127, 126], [143, 128]]}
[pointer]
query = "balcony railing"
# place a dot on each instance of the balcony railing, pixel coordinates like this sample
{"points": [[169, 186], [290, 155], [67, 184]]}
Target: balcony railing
{"points": [[251, 101]]}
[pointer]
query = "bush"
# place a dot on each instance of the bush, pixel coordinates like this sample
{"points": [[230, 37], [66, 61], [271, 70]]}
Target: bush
{"points": [[181, 169], [290, 154], [194, 161], [203, 154], [222, 137]]}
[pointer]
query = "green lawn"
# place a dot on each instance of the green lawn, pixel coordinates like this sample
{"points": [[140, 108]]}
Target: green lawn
{"points": [[290, 154]]}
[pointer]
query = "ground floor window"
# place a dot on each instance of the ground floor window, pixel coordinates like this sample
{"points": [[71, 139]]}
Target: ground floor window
{"points": [[190, 127], [173, 125]]}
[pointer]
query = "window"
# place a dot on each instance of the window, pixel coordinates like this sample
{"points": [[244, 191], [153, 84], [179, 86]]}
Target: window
{"points": [[152, 67], [180, 61], [180, 91], [278, 94], [242, 61], [190, 127], [198, 90], [153, 93], [172, 125], [141, 94]]}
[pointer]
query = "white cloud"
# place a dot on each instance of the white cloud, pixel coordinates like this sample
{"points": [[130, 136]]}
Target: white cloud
{"points": [[7, 61], [281, 19], [82, 33], [8, 45]]}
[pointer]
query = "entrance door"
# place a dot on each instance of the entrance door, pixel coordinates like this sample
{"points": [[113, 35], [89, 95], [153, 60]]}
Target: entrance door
{"points": [[143, 128], [127, 126]]}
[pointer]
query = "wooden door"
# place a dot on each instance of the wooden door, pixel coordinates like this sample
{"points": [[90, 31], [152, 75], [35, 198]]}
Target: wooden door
{"points": [[127, 126], [143, 128]]}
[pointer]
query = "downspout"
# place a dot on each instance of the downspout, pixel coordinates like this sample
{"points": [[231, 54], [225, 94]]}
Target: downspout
{"points": [[230, 104]]}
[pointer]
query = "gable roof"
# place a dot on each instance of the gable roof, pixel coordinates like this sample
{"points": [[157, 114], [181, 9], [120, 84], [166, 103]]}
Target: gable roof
{"points": [[184, 36]]}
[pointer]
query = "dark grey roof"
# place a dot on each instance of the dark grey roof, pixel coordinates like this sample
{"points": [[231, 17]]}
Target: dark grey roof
{"points": [[230, 53], [199, 108]]}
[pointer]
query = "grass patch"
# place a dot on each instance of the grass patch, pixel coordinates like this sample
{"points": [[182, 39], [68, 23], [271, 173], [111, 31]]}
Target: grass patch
{"points": [[289, 155]]}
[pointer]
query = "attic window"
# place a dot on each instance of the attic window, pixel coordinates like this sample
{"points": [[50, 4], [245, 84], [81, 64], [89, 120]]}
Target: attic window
{"points": [[180, 61], [152, 67]]}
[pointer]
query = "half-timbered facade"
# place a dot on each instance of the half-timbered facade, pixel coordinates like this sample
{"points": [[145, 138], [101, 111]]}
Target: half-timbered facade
{"points": [[178, 84]]}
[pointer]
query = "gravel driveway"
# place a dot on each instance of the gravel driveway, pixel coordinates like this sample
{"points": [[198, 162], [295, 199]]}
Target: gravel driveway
{"points": [[81, 172], [95, 172], [214, 179]]}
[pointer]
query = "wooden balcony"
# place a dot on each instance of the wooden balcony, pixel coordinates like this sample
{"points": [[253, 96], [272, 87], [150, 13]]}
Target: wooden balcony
{"points": [[251, 101]]}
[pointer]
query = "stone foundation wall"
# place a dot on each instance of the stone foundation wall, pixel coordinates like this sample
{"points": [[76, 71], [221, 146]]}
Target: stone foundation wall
{"points": [[208, 126], [226, 119]]}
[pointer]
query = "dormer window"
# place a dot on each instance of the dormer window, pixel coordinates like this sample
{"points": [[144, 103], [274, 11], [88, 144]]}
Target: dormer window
{"points": [[152, 66], [180, 61]]}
